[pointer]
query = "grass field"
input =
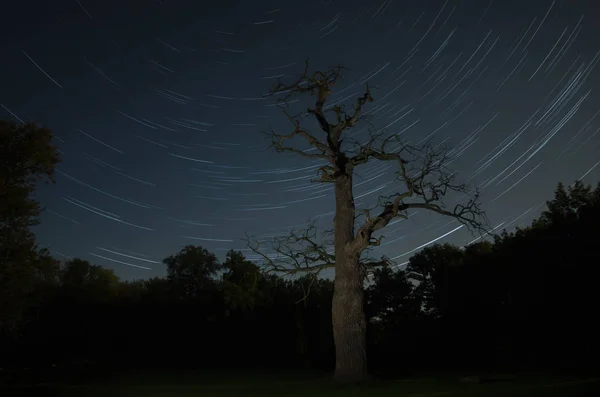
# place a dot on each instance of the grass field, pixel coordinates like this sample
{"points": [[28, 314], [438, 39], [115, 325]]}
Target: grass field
{"points": [[187, 385]]}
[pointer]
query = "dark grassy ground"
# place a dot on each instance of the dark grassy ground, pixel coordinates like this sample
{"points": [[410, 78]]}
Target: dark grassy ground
{"points": [[190, 384]]}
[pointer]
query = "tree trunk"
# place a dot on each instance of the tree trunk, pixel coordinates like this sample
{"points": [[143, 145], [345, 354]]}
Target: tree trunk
{"points": [[348, 317]]}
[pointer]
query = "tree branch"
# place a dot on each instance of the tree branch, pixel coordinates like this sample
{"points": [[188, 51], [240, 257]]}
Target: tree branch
{"points": [[350, 121], [425, 189], [298, 252], [329, 148], [422, 172], [278, 140]]}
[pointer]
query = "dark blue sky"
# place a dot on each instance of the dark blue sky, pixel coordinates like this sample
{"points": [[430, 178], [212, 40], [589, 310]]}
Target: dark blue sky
{"points": [[158, 111]]}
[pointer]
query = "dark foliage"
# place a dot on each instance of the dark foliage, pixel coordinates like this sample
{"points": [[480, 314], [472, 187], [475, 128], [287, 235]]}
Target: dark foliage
{"points": [[526, 301]]}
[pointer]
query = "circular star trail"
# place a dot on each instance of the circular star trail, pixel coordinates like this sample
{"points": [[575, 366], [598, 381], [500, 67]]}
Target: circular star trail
{"points": [[159, 112]]}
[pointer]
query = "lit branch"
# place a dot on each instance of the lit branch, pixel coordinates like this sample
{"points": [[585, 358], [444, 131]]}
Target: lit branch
{"points": [[278, 141], [424, 189], [425, 181], [298, 252], [348, 121], [329, 148]]}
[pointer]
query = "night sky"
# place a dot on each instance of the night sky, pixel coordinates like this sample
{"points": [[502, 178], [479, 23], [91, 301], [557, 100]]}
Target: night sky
{"points": [[158, 109]]}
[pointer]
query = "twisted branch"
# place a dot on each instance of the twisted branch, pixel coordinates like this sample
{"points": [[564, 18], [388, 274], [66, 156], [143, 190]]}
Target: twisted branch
{"points": [[330, 148], [425, 189], [422, 172], [297, 252]]}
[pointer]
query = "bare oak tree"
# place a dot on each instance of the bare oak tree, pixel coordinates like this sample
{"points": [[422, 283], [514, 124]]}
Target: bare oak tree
{"points": [[423, 180]]}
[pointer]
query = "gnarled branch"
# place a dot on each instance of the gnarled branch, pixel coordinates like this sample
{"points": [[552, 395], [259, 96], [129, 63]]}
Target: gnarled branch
{"points": [[425, 188], [329, 148], [278, 140], [297, 252], [422, 173]]}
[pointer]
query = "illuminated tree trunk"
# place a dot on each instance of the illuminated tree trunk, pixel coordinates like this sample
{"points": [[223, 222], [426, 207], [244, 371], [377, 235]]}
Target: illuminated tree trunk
{"points": [[348, 317]]}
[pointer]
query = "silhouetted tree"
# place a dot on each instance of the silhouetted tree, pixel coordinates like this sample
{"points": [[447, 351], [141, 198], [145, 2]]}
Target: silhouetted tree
{"points": [[240, 281], [79, 273], [27, 156], [390, 297], [192, 271], [430, 269]]}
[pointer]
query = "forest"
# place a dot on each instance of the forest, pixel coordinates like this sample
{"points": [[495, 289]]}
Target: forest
{"points": [[523, 300], [520, 301]]}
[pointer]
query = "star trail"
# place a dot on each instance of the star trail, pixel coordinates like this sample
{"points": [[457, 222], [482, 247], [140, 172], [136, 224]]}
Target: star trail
{"points": [[159, 110]]}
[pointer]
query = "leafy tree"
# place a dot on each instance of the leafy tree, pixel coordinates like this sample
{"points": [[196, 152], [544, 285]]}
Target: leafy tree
{"points": [[430, 269], [423, 180], [569, 204], [390, 298], [157, 290], [27, 156], [398, 326], [192, 271], [94, 281], [566, 241], [240, 281], [41, 286]]}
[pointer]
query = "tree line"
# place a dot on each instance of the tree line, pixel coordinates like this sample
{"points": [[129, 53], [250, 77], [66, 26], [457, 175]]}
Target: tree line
{"points": [[423, 181], [526, 300]]}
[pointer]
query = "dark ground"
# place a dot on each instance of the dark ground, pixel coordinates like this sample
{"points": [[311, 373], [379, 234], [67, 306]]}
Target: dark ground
{"points": [[188, 383]]}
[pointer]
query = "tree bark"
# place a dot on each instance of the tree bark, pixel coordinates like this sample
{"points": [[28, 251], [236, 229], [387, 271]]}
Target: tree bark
{"points": [[348, 317]]}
